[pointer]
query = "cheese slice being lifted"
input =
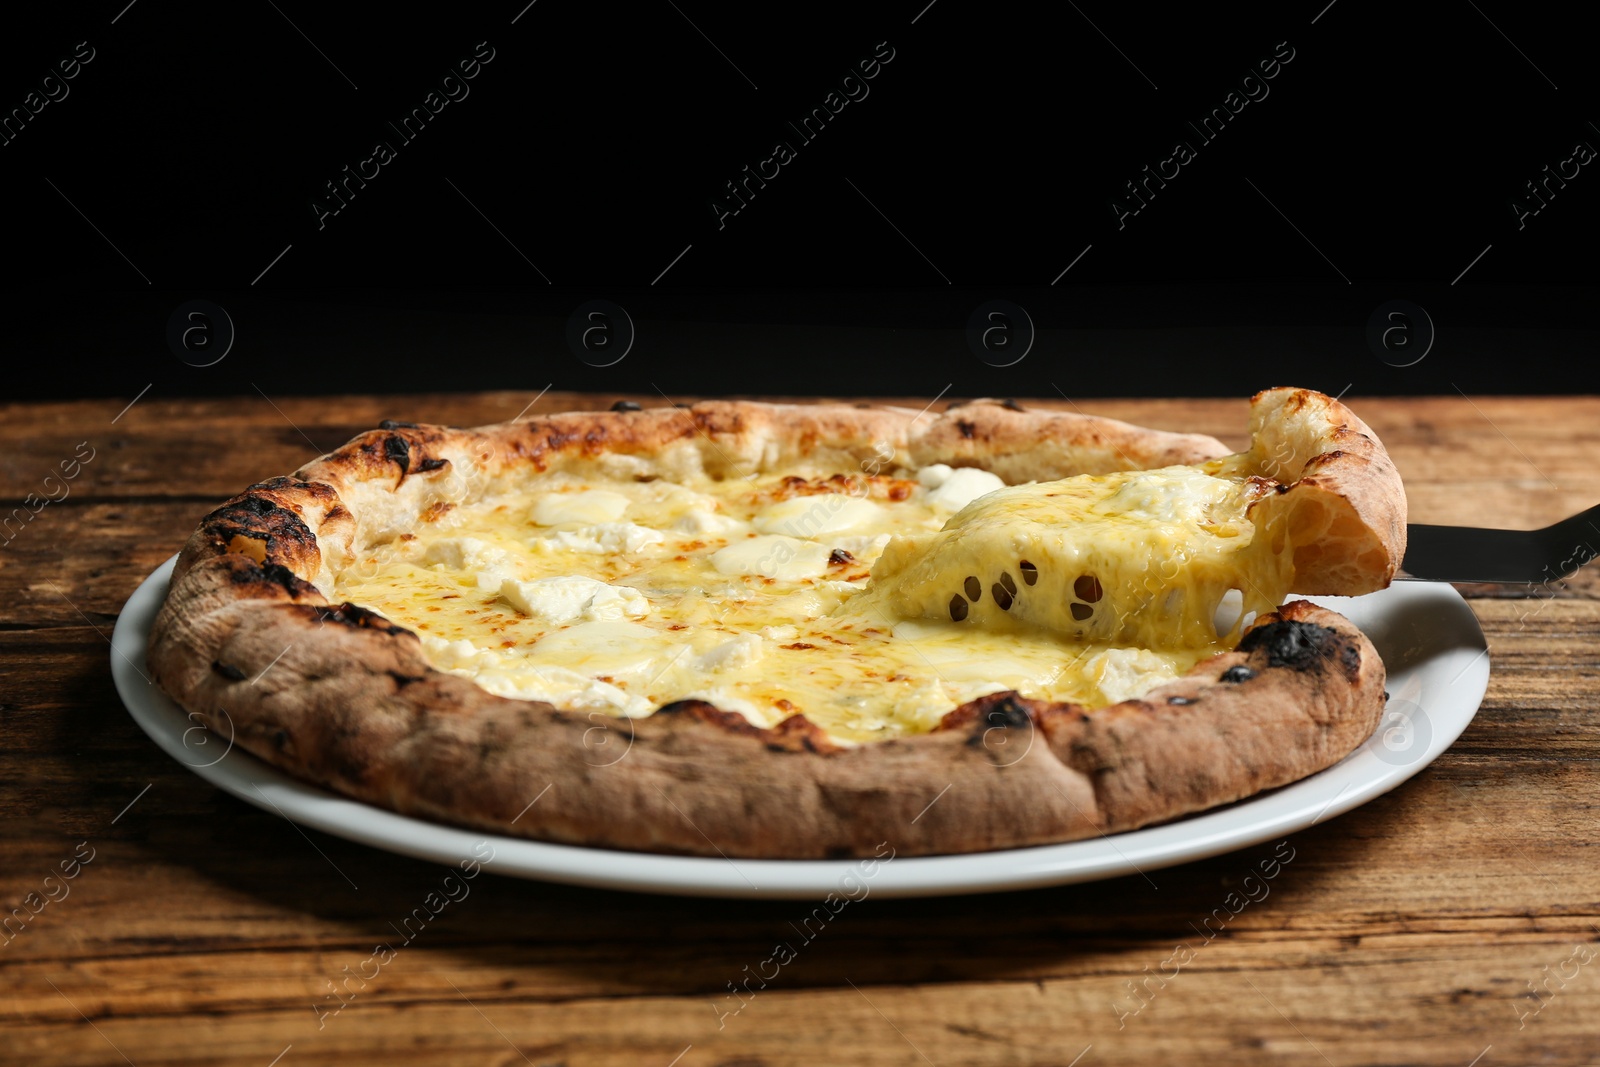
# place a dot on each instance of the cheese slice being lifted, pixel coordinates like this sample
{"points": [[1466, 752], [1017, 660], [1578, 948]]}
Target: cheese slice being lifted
{"points": [[1136, 558]]}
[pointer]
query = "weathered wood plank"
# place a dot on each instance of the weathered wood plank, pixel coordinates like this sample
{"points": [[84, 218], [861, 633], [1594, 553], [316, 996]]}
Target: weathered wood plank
{"points": [[1432, 924]]}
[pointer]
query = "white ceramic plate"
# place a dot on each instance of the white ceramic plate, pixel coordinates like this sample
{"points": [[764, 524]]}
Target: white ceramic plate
{"points": [[1429, 638]]}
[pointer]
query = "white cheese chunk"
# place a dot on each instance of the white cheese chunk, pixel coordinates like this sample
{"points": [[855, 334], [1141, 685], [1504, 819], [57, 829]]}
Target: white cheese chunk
{"points": [[451, 655], [739, 651], [572, 598], [957, 488], [1125, 673], [818, 516], [585, 506], [463, 553], [606, 538], [773, 556], [562, 687], [701, 521]]}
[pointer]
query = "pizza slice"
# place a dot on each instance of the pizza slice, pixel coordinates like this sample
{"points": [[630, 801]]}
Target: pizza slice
{"points": [[782, 630]]}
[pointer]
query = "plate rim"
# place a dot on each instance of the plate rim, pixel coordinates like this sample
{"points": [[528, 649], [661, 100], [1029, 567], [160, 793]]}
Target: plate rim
{"points": [[1212, 832]]}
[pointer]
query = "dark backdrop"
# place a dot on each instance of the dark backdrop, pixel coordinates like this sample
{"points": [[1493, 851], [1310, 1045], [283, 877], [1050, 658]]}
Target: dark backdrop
{"points": [[995, 199]]}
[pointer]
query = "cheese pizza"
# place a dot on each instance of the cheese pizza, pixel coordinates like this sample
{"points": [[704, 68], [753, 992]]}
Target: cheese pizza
{"points": [[783, 630]]}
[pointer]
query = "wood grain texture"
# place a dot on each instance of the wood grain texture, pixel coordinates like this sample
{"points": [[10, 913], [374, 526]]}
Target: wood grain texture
{"points": [[1442, 922]]}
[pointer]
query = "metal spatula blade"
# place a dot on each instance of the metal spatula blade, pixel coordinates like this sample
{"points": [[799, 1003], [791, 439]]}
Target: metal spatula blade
{"points": [[1472, 554]]}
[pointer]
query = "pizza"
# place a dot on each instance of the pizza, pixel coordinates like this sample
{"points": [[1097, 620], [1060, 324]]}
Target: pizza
{"points": [[797, 630]]}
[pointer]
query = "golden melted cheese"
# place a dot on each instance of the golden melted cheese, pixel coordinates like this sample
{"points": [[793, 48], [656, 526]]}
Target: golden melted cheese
{"points": [[830, 596]]}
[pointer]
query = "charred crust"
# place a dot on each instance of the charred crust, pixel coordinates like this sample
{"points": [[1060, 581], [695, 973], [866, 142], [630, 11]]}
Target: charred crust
{"points": [[398, 451], [840, 555], [1237, 673], [401, 679], [228, 671], [1301, 646], [794, 734], [287, 580], [1005, 710], [267, 581], [357, 618], [626, 405], [396, 424], [431, 464], [270, 530], [969, 430], [1011, 405]]}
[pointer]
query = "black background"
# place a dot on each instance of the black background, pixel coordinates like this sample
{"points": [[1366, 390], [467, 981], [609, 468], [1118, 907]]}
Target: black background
{"points": [[1382, 165]]}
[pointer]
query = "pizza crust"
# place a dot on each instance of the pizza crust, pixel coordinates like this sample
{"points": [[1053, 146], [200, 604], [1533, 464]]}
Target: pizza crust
{"points": [[343, 698]]}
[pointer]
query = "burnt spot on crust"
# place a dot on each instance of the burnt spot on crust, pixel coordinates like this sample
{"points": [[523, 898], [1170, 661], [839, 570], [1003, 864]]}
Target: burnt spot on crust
{"points": [[431, 464], [396, 424], [1301, 646], [1007, 710], [998, 711], [626, 405], [287, 580], [228, 671], [357, 618], [258, 527], [840, 555], [794, 734], [968, 429], [1011, 405], [401, 679], [398, 451], [1238, 673]]}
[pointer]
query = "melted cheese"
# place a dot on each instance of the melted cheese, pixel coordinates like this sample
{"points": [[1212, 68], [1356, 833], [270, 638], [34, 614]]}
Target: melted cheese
{"points": [[832, 597], [1140, 558]]}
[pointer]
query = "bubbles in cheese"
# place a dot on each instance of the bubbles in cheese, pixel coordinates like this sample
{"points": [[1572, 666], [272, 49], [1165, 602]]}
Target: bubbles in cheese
{"points": [[570, 598], [606, 537], [818, 516], [776, 556], [583, 506]]}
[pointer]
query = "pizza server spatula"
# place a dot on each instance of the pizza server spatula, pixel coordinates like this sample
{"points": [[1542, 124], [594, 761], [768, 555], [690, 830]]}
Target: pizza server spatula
{"points": [[1472, 554]]}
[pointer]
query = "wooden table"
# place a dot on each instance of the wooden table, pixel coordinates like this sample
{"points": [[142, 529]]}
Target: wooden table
{"points": [[1453, 921]]}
